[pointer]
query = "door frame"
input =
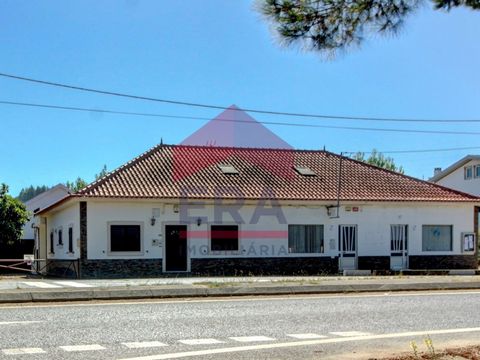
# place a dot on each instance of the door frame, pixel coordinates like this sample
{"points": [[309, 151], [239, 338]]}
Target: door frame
{"points": [[340, 247], [404, 251], [164, 246]]}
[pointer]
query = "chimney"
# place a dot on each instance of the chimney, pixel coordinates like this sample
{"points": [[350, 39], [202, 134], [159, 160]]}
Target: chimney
{"points": [[437, 171]]}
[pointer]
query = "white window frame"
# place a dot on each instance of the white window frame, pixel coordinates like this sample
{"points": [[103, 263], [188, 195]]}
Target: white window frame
{"points": [[466, 169], [322, 245], [475, 168], [125, 253], [451, 239]]}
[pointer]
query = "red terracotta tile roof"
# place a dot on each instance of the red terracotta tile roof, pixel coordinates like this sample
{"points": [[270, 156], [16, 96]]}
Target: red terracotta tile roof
{"points": [[174, 171]]}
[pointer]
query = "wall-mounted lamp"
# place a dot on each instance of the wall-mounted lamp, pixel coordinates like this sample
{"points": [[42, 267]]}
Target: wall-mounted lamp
{"points": [[199, 221], [152, 221]]}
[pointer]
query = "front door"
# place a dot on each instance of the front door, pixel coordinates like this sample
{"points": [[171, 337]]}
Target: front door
{"points": [[176, 248], [348, 235], [398, 247]]}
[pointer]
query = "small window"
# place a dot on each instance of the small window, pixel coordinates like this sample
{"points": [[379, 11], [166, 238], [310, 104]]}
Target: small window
{"points": [[70, 239], [477, 171], [437, 238], [398, 238], [305, 239], [468, 172], [304, 170], [228, 169], [52, 249], [60, 237], [125, 238], [224, 238]]}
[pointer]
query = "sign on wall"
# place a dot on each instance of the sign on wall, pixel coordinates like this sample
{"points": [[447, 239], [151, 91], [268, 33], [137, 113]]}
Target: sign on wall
{"points": [[468, 242]]}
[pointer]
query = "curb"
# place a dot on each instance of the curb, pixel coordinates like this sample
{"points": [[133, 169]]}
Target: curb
{"points": [[19, 296]]}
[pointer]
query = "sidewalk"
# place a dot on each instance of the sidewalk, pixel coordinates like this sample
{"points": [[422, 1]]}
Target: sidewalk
{"points": [[23, 289]]}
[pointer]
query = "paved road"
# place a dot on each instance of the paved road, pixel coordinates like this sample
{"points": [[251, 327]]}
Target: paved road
{"points": [[255, 328]]}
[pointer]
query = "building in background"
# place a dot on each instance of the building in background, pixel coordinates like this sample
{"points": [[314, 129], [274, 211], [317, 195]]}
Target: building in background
{"points": [[464, 175]]}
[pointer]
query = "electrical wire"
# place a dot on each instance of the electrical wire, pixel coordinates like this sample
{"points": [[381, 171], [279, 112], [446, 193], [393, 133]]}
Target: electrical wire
{"points": [[218, 107], [58, 107]]}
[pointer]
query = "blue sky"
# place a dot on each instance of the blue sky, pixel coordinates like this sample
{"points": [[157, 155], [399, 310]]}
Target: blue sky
{"points": [[219, 52]]}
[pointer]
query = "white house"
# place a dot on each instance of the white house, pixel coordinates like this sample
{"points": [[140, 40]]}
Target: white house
{"points": [[220, 210], [464, 175]]}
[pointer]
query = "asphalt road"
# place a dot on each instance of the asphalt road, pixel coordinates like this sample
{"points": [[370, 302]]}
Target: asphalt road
{"points": [[315, 327]]}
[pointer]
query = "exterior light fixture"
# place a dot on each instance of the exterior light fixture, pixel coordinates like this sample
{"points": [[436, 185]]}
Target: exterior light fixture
{"points": [[199, 221], [152, 221]]}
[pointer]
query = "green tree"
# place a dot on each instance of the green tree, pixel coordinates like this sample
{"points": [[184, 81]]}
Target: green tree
{"points": [[378, 159], [329, 26], [102, 173], [30, 192], [76, 185], [13, 215]]}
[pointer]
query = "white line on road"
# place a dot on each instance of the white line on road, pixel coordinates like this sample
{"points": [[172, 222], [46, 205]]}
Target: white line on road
{"points": [[143, 344], [200, 341], [300, 343], [21, 351], [251, 338], [20, 322], [307, 336], [350, 333], [82, 347], [75, 284], [41, 284]]}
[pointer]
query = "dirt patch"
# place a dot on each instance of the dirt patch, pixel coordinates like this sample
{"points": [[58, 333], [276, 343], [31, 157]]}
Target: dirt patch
{"points": [[460, 353]]}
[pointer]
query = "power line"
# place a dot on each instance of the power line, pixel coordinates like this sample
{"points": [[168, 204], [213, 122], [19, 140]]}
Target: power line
{"points": [[218, 107], [415, 151], [58, 107]]}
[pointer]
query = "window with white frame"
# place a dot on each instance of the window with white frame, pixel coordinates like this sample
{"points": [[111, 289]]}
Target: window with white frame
{"points": [[437, 238], [52, 249], [305, 239], [70, 239], [468, 172], [476, 172], [60, 236], [398, 238], [224, 238], [125, 238]]}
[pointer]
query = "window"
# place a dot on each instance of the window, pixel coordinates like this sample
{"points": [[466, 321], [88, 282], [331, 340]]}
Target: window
{"points": [[228, 169], [437, 237], [305, 238], [347, 240], [224, 238], [52, 250], [60, 237], [125, 238], [70, 239], [304, 170], [477, 171], [468, 172], [398, 238]]}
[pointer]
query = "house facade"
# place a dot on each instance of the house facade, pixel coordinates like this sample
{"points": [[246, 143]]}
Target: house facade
{"points": [[240, 211], [464, 175]]}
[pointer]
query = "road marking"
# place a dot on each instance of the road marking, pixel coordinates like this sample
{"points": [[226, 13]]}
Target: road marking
{"points": [[75, 284], [300, 343], [251, 299], [82, 347], [200, 341], [350, 333], [251, 338], [21, 351], [41, 284], [19, 322], [307, 336], [143, 344]]}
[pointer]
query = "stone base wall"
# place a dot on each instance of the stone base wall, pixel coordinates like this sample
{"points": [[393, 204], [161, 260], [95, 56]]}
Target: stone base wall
{"points": [[265, 266], [433, 262], [374, 262], [120, 268]]}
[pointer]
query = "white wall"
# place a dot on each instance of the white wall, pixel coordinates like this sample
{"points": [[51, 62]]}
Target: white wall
{"points": [[456, 180], [70, 216], [373, 222]]}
